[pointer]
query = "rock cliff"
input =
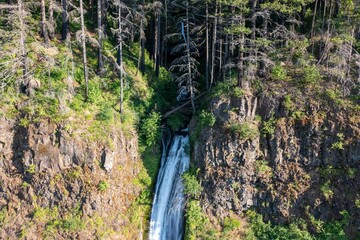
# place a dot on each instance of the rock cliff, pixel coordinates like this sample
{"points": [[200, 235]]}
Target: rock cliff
{"points": [[55, 183], [301, 162]]}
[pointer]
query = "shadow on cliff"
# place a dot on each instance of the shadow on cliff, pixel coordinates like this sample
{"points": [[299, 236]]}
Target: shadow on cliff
{"points": [[20, 144]]}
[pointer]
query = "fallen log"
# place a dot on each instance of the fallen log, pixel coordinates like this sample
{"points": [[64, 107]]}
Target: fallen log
{"points": [[176, 109]]}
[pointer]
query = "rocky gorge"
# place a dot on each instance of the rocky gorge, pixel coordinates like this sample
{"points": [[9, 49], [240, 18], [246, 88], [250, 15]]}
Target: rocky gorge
{"points": [[50, 177], [300, 162]]}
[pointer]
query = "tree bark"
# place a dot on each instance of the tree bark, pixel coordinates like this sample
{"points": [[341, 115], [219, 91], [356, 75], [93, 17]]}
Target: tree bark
{"points": [[83, 41], [143, 39], [213, 50], [51, 19], [119, 57], [207, 47], [22, 45], [65, 21], [44, 31], [192, 95], [100, 66], [157, 42]]}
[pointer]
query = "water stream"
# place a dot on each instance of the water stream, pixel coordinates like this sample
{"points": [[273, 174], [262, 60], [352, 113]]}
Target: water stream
{"points": [[167, 216]]}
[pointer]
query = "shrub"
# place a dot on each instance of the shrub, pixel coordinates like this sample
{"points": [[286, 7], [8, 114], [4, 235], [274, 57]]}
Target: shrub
{"points": [[3, 215], [268, 127], [278, 72], [339, 144], [237, 92], [195, 221], [94, 92], [230, 224], [175, 122], [73, 223], [150, 129], [262, 168], [334, 96], [206, 119], [357, 203], [245, 130], [31, 169], [103, 186], [191, 184], [326, 190], [311, 74], [105, 113], [260, 230], [288, 103]]}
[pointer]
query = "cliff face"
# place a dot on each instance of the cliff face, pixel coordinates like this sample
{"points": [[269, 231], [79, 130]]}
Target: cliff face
{"points": [[303, 163], [53, 183]]}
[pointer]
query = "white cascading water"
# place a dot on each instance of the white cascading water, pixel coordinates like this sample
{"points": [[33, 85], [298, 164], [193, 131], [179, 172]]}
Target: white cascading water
{"points": [[167, 216]]}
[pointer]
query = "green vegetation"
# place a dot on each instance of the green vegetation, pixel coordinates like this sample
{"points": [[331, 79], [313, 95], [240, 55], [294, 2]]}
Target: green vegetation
{"points": [[3, 215], [262, 168], [245, 131], [197, 225], [150, 129], [278, 73], [339, 144], [311, 75], [191, 184], [31, 169], [268, 127], [327, 191], [260, 230], [176, 121], [237, 92], [357, 203], [103, 186], [206, 119], [230, 224]]}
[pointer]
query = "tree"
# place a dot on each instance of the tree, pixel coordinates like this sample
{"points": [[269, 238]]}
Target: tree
{"points": [[44, 31], [100, 28], [14, 52], [65, 20], [185, 65], [83, 44]]}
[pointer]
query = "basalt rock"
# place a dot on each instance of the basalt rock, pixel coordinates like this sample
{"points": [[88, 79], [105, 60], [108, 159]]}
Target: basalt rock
{"points": [[308, 166], [43, 166]]}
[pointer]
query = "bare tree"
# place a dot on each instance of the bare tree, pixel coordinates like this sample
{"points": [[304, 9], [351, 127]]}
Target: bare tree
{"points": [[100, 28], [185, 66], [44, 31]]}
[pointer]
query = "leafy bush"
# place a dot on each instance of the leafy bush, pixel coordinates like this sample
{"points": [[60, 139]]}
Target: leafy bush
{"points": [[73, 223], [105, 113], [196, 222], [268, 127], [288, 103], [357, 203], [264, 231], [31, 169], [94, 92], [334, 96], [237, 92], [339, 144], [191, 184], [262, 168], [230, 224], [278, 72], [326, 190], [150, 129], [206, 119], [103, 186], [175, 122], [311, 74], [245, 130]]}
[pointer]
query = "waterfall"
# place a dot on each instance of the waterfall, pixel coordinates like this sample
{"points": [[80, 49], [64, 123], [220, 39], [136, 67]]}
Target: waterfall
{"points": [[167, 216]]}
